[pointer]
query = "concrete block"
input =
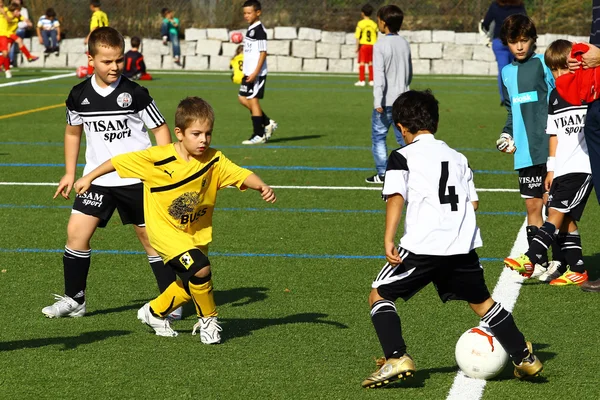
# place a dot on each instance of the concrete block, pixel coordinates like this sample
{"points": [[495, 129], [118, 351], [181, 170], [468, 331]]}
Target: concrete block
{"points": [[493, 68], [430, 50], [483, 53], [272, 63], [328, 50], [195, 34], [74, 45], [303, 48], [540, 50], [309, 34], [350, 39], [219, 63], [34, 46], [471, 67], [551, 37], [230, 48], [447, 67], [23, 63], [420, 37], [348, 51], [270, 33], [279, 47], [466, 38], [208, 47], [153, 62], [188, 48], [155, 46], [285, 32], [167, 63], [196, 63], [443, 36], [336, 65], [76, 60], [421, 67], [53, 61], [217, 34], [314, 65], [454, 51], [414, 50], [333, 37], [288, 64], [406, 35]]}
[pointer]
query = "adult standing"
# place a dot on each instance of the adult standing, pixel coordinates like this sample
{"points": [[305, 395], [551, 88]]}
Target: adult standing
{"points": [[499, 10]]}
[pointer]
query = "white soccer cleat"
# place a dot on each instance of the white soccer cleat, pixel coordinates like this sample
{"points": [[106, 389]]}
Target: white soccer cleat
{"points": [[269, 129], [255, 140], [538, 270], [162, 326], [552, 272], [371, 83], [209, 330], [360, 83], [8, 74], [176, 314], [64, 307]]}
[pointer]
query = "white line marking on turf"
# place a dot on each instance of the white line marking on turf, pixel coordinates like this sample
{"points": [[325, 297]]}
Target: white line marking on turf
{"points": [[506, 292], [48, 78], [273, 186]]}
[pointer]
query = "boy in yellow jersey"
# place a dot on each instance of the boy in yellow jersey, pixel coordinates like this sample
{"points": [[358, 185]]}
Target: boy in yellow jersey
{"points": [[9, 19], [237, 65], [181, 181], [366, 36], [98, 20]]}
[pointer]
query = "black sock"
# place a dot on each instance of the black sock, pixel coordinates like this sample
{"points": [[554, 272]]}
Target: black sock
{"points": [[531, 232], [164, 275], [265, 120], [76, 265], [257, 124], [570, 245], [503, 326], [557, 253], [538, 248], [388, 328]]}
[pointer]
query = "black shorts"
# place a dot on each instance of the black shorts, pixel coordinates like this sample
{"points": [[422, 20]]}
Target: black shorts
{"points": [[456, 277], [254, 90], [188, 263], [101, 202], [569, 194], [531, 181]]}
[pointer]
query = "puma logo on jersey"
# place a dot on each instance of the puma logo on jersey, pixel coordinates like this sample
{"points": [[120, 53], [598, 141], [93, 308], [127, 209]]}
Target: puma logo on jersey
{"points": [[169, 173], [85, 102]]}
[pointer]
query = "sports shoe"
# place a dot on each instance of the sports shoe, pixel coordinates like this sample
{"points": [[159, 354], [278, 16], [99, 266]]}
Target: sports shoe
{"points": [[8, 74], [375, 179], [162, 326], [269, 129], [176, 314], [552, 272], [255, 139], [570, 278], [521, 264], [33, 58], [529, 367], [64, 307], [591, 286], [371, 83], [360, 83], [209, 330], [538, 270], [389, 371]]}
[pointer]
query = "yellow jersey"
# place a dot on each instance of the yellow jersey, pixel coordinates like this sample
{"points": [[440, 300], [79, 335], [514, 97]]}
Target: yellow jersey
{"points": [[99, 19], [366, 31], [237, 65], [179, 195], [8, 27]]}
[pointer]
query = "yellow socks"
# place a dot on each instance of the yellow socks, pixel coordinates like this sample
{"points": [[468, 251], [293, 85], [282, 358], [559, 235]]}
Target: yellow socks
{"points": [[173, 297], [203, 297]]}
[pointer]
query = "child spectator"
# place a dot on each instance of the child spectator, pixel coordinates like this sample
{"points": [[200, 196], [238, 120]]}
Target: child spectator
{"points": [[366, 36], [48, 31], [170, 32], [135, 67], [237, 65], [9, 18], [99, 19], [393, 72]]}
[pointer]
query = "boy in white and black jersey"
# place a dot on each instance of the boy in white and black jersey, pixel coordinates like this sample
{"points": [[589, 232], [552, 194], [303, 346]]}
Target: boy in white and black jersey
{"points": [[569, 181], [112, 111], [439, 241], [255, 74]]}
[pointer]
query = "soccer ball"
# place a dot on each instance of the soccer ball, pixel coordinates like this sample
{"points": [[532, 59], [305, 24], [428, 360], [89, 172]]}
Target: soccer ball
{"points": [[479, 354], [82, 72], [237, 37]]}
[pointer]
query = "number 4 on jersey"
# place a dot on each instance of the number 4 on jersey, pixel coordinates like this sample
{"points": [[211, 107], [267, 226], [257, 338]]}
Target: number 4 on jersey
{"points": [[450, 198]]}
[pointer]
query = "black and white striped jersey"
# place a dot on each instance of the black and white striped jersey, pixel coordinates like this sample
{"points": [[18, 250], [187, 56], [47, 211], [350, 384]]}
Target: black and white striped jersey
{"points": [[255, 42], [113, 120], [436, 183], [566, 121]]}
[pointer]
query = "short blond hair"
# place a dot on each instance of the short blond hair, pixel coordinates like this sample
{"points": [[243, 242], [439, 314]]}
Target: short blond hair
{"points": [[557, 53], [193, 109]]}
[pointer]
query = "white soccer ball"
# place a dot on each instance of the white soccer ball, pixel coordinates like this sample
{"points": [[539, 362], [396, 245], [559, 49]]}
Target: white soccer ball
{"points": [[479, 354]]}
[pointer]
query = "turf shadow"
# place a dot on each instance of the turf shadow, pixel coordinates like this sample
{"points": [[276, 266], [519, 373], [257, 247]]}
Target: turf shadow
{"points": [[239, 297], [69, 342], [294, 138], [592, 264], [137, 304]]}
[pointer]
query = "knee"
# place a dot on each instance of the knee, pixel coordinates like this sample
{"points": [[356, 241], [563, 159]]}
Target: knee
{"points": [[203, 272], [374, 297]]}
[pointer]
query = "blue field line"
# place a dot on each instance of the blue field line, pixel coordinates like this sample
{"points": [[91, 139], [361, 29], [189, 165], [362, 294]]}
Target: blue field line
{"points": [[219, 254]]}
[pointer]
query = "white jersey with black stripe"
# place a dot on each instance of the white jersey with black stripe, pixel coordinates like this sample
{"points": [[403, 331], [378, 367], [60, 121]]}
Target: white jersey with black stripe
{"points": [[114, 120], [255, 42], [436, 183]]}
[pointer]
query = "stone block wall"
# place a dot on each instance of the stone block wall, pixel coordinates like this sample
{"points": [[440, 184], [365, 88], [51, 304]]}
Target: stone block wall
{"points": [[303, 50]]}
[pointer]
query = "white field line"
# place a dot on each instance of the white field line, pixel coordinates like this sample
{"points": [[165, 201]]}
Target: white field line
{"points": [[274, 187], [48, 78], [506, 292]]}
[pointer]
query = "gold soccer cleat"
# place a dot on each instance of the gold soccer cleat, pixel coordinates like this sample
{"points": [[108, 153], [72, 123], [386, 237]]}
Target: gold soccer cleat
{"points": [[389, 371], [530, 366]]}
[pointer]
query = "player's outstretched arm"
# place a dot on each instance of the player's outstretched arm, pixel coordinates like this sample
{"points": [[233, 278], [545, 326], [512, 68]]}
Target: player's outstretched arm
{"points": [[254, 182], [162, 134], [393, 213], [72, 143], [83, 184]]}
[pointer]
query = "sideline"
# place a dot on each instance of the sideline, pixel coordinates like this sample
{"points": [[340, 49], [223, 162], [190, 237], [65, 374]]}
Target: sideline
{"points": [[17, 114], [48, 78]]}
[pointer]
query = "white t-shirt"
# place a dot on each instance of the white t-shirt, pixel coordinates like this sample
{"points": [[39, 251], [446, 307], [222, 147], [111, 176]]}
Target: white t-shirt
{"points": [[254, 42], [436, 183]]}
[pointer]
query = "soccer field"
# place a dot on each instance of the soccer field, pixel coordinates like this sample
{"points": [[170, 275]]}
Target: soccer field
{"points": [[291, 279]]}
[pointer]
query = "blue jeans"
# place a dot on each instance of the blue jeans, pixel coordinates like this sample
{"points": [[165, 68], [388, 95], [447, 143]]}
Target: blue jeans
{"points": [[380, 125], [503, 58], [50, 39], [174, 38]]}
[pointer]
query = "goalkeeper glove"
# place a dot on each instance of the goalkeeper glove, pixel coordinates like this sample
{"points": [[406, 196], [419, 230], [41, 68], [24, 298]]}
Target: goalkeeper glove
{"points": [[505, 143]]}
